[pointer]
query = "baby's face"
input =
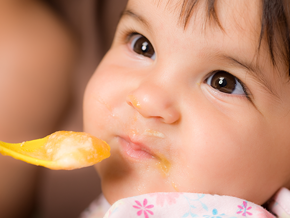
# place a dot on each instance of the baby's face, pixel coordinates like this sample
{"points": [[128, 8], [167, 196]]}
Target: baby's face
{"points": [[190, 109]]}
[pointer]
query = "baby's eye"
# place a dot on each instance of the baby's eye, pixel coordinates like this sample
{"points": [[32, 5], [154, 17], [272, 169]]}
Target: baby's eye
{"points": [[225, 82], [142, 46]]}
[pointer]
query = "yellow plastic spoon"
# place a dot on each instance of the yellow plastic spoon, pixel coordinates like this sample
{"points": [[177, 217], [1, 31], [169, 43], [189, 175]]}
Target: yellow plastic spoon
{"points": [[63, 150]]}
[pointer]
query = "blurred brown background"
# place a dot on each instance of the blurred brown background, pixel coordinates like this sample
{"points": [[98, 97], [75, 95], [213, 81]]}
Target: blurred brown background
{"points": [[48, 51]]}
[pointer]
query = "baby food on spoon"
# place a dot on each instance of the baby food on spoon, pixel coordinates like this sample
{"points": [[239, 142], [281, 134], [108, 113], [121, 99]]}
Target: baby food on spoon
{"points": [[63, 150]]}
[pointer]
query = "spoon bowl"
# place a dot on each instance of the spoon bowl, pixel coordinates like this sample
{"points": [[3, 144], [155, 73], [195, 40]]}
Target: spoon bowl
{"points": [[63, 150]]}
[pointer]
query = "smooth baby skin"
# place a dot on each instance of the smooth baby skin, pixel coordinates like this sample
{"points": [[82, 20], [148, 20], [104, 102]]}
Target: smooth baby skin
{"points": [[228, 143]]}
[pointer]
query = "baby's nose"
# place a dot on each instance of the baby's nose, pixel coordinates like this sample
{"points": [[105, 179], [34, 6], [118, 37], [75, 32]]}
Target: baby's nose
{"points": [[152, 101]]}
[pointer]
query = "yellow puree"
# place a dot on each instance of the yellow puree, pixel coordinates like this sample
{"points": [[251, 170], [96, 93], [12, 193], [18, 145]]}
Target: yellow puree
{"points": [[164, 166], [134, 101]]}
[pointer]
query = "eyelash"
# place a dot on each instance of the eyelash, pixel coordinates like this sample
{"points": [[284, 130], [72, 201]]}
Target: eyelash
{"points": [[248, 94], [126, 33], [244, 86]]}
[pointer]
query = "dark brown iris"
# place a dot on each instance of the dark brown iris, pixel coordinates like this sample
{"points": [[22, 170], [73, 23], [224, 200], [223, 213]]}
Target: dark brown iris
{"points": [[223, 81], [143, 47]]}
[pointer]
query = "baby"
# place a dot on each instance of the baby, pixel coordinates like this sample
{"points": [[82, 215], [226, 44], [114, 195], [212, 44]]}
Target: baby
{"points": [[193, 97]]}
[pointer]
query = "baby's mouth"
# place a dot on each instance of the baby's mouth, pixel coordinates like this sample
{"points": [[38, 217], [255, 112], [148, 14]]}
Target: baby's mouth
{"points": [[135, 144], [135, 150]]}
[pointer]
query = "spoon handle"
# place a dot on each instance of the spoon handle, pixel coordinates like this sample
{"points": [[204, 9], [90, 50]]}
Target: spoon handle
{"points": [[15, 150]]}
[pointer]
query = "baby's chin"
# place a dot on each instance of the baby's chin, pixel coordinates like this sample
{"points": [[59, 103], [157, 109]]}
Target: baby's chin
{"points": [[122, 182], [121, 178]]}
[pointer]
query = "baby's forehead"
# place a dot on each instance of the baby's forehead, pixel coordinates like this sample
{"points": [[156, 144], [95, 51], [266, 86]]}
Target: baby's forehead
{"points": [[228, 19], [241, 16], [258, 21], [244, 11]]}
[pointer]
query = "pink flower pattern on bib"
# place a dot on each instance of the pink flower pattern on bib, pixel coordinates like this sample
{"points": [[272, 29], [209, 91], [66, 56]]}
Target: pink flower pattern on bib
{"points": [[244, 210], [144, 208]]}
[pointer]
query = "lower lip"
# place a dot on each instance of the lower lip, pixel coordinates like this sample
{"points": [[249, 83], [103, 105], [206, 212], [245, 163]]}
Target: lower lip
{"points": [[134, 151]]}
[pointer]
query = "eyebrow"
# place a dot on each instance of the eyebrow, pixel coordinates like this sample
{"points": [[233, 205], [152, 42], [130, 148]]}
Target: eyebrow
{"points": [[254, 71], [134, 15]]}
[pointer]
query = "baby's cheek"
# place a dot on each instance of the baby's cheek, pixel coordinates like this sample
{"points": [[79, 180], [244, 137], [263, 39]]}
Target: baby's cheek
{"points": [[225, 160]]}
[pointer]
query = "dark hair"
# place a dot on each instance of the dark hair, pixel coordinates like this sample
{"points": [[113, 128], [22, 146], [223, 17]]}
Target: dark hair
{"points": [[274, 25]]}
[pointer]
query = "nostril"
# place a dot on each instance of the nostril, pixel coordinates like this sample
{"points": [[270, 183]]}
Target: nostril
{"points": [[130, 104], [171, 116]]}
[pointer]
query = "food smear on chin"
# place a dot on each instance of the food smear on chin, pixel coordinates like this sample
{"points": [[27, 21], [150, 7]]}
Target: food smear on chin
{"points": [[164, 165], [174, 186]]}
